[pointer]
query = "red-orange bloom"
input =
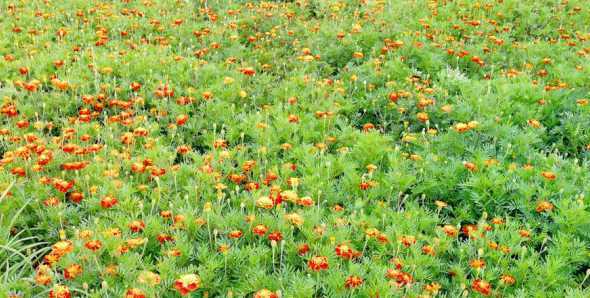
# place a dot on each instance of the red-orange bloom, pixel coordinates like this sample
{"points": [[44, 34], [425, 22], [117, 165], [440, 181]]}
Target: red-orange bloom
{"points": [[264, 293], [302, 249], [59, 291], [477, 264], [108, 202], [235, 234], [346, 252], [401, 278], [549, 175], [187, 283], [260, 230], [134, 293], [353, 282], [62, 185], [93, 245], [275, 236], [482, 286], [318, 263], [72, 271], [248, 71], [62, 247], [136, 226]]}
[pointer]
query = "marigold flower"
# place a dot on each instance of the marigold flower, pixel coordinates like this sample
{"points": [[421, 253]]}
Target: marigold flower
{"points": [[305, 201], [353, 282], [76, 197], [544, 206], [428, 250], [399, 277], [260, 230], [136, 226], [290, 196], [302, 249], [432, 288], [440, 204], [43, 275], [264, 202], [264, 293], [407, 240], [346, 252], [108, 202], [187, 283], [59, 291], [149, 278], [72, 271], [275, 236], [422, 117], [163, 238], [62, 185], [134, 293], [93, 245], [318, 263], [507, 279], [295, 219], [482, 287], [470, 166], [236, 234], [548, 175], [477, 264], [470, 231], [248, 71], [63, 247]]}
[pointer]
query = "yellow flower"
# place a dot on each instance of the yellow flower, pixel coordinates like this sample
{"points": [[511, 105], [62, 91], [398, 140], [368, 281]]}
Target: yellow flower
{"points": [[289, 196], [149, 278], [294, 219], [264, 202]]}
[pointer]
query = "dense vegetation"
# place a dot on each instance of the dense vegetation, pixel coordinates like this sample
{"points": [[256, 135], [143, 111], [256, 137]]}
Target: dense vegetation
{"points": [[352, 148]]}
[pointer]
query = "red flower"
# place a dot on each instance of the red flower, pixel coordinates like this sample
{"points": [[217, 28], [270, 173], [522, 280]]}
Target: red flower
{"points": [[72, 271], [470, 231], [51, 202], [187, 283], [108, 202], [62, 185], [59, 291], [235, 234], [134, 293], [163, 238], [346, 252], [135, 86], [303, 249], [482, 286], [264, 293], [76, 197], [275, 236], [136, 226], [62, 247], [260, 230], [364, 186], [74, 166], [93, 245], [477, 264], [248, 71], [393, 97], [549, 175], [181, 119], [19, 172], [401, 278], [353, 282], [318, 263]]}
